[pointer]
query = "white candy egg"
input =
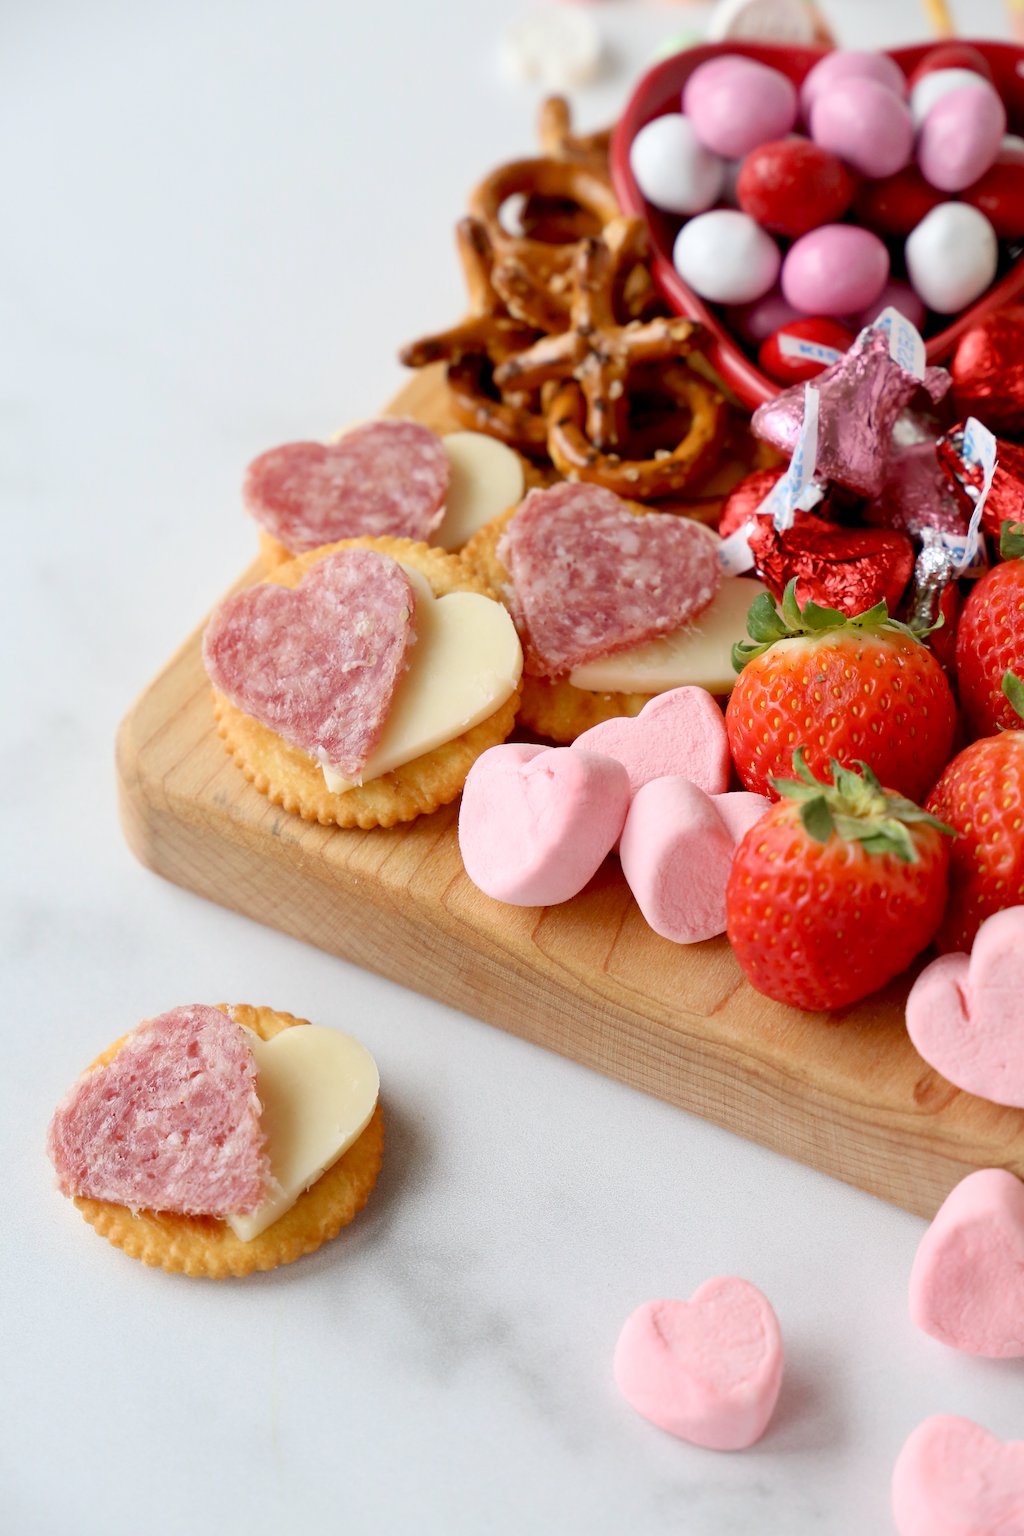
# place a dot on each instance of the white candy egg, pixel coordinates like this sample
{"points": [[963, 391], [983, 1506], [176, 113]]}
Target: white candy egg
{"points": [[931, 87], [726, 257], [672, 168], [952, 257]]}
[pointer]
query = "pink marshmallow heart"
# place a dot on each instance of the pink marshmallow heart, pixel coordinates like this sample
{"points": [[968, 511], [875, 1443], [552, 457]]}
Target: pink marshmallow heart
{"points": [[318, 663], [708, 1369], [676, 854], [967, 1282], [680, 732], [952, 1478], [964, 1012], [676, 851], [537, 822], [741, 810]]}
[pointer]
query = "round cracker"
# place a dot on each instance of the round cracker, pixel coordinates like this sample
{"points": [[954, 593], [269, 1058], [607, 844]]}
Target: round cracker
{"points": [[205, 1246], [272, 552], [551, 707], [291, 779]]}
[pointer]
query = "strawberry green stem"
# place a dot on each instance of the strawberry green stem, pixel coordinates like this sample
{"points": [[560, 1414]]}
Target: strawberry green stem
{"points": [[1013, 688], [856, 808], [767, 623]]}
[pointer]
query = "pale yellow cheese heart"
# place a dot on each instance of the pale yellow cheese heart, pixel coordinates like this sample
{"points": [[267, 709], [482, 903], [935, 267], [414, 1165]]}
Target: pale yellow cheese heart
{"points": [[486, 479], [466, 661], [318, 1089], [700, 653]]}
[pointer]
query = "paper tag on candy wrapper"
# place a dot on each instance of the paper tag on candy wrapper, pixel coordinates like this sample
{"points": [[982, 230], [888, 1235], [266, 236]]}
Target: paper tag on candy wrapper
{"points": [[795, 492], [735, 554], [807, 351], [791, 493], [968, 550], [905, 344]]}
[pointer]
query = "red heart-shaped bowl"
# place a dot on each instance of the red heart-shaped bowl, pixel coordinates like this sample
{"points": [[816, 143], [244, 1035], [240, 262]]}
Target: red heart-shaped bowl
{"points": [[659, 91]]}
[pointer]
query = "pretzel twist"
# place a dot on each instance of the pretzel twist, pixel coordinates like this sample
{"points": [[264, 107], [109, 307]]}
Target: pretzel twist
{"points": [[559, 329], [596, 351], [669, 472]]}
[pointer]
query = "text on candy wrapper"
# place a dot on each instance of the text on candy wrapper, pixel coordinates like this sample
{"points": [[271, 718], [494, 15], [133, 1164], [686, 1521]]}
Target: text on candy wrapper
{"points": [[906, 346]]}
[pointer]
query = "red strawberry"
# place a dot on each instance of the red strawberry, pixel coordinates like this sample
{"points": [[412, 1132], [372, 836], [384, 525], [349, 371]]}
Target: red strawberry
{"points": [[835, 890], [990, 640], [981, 796], [860, 689]]}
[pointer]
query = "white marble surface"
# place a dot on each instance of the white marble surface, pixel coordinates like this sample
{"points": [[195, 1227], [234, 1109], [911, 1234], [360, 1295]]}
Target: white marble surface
{"points": [[219, 222]]}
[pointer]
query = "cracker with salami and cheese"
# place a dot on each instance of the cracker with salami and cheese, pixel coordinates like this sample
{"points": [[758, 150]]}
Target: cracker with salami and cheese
{"points": [[358, 684], [602, 587], [178, 1144]]}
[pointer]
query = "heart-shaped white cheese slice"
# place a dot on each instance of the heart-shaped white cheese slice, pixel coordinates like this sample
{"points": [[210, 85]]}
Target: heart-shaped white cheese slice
{"points": [[465, 663], [318, 1089], [486, 480], [700, 653]]}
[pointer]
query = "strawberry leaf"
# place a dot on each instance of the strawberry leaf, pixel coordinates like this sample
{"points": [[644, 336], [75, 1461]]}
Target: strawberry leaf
{"points": [[790, 607], [817, 818], [1013, 688], [764, 623], [856, 808], [1011, 540], [891, 837], [768, 622]]}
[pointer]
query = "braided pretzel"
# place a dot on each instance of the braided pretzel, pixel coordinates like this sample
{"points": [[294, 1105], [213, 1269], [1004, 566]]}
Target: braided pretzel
{"points": [[596, 351], [668, 472], [489, 328], [531, 275], [557, 140], [475, 345], [510, 418], [559, 221]]}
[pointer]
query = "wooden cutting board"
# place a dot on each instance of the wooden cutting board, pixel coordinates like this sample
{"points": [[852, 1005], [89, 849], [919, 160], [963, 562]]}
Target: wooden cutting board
{"points": [[843, 1092]]}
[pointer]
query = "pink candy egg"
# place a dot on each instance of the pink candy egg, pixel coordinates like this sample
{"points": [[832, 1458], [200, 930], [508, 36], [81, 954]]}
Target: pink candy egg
{"points": [[865, 124], [932, 87], [757, 321], [952, 257], [961, 137], [726, 257], [850, 64], [736, 104], [672, 168], [836, 270], [898, 296]]}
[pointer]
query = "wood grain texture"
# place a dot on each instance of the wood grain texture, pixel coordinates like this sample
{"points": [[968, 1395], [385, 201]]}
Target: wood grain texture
{"points": [[844, 1092]]}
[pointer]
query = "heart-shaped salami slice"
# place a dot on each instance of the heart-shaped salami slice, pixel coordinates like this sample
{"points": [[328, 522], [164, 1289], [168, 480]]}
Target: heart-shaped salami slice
{"points": [[590, 578], [318, 663], [172, 1123], [384, 478]]}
